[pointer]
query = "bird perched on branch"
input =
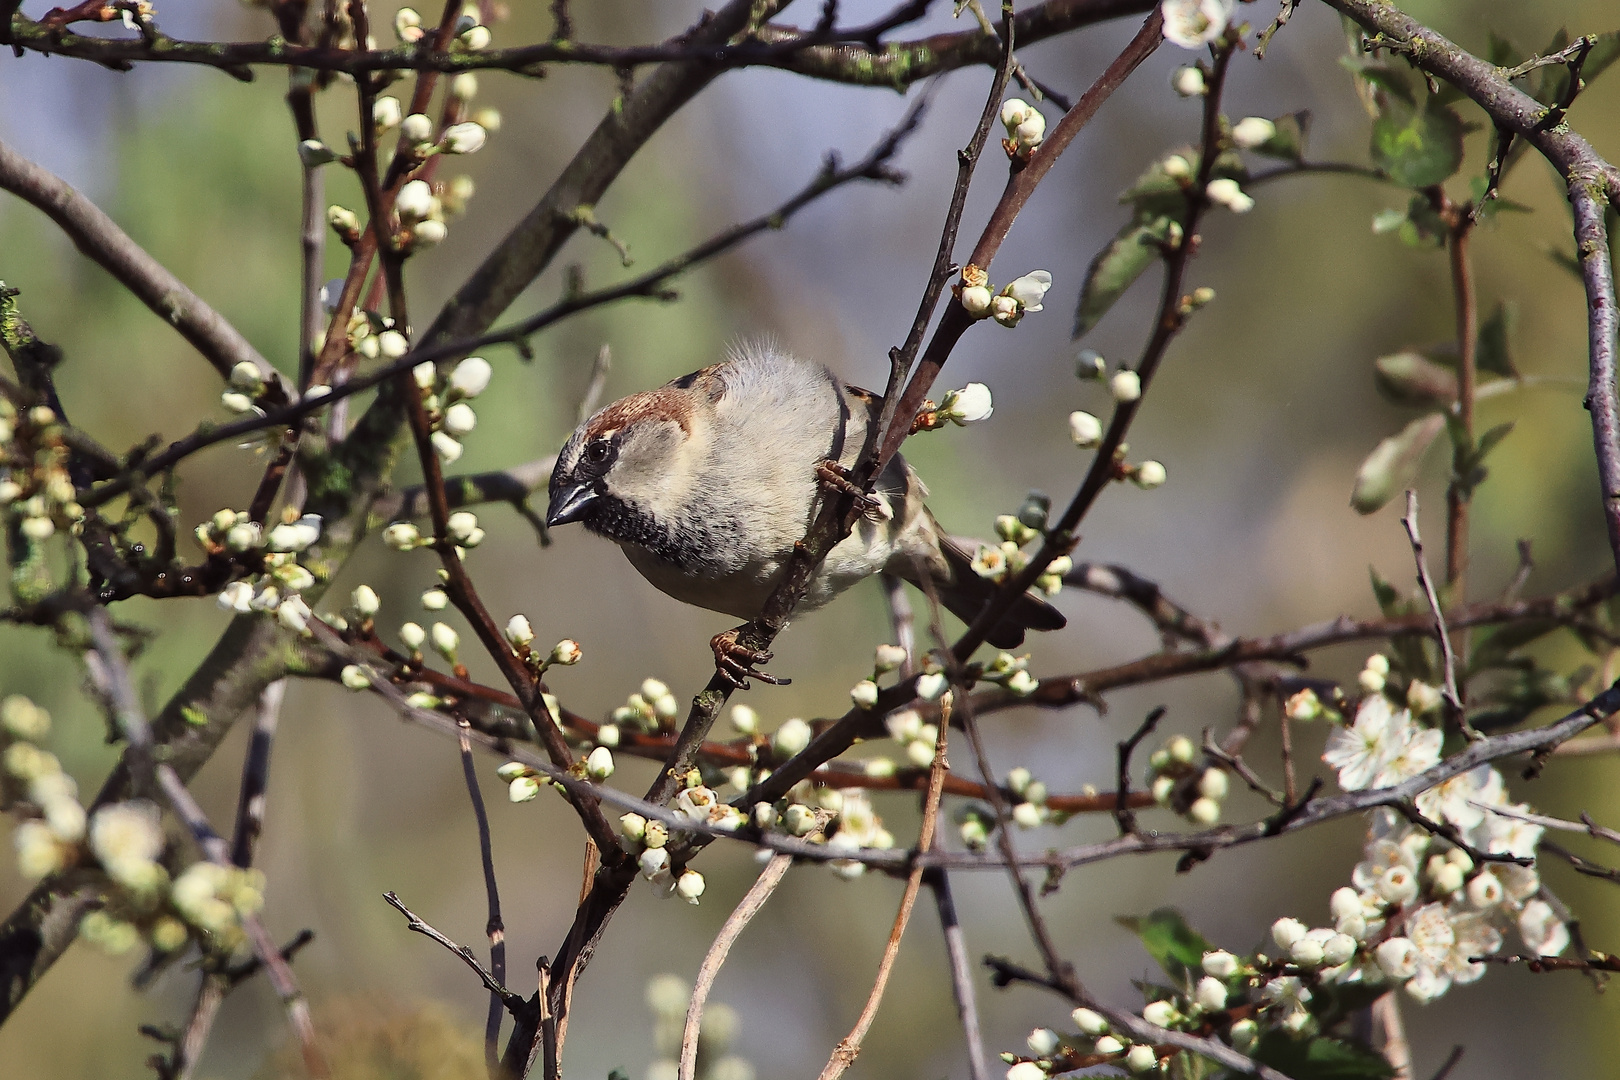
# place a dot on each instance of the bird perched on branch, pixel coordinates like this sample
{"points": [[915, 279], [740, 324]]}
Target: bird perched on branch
{"points": [[707, 484]]}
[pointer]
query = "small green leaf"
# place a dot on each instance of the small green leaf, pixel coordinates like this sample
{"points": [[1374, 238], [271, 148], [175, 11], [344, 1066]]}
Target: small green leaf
{"points": [[1388, 597], [1492, 352], [1393, 463], [1320, 1058], [1177, 947], [1410, 378], [1417, 146], [1116, 269]]}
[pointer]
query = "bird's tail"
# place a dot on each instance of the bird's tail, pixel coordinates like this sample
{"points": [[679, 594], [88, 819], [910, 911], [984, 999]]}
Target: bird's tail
{"points": [[965, 595]]}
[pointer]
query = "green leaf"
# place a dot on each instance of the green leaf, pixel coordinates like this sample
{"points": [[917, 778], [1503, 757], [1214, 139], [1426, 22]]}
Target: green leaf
{"points": [[1393, 463], [1288, 142], [1177, 947], [1320, 1058], [1116, 269], [1388, 597], [1418, 146], [1410, 378], [1492, 353]]}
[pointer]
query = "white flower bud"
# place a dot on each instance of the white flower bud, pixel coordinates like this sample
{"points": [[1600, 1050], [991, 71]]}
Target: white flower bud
{"points": [[523, 789], [1398, 958], [294, 614], [1108, 1045], [408, 26], [1447, 878], [435, 599], [459, 418], [402, 536], [1204, 811], [1228, 193], [968, 405], [798, 819], [354, 677], [1338, 949], [1042, 1042], [1027, 815], [1149, 475], [599, 765], [889, 658], [1159, 1013], [1026, 1070], [1213, 784], [365, 601], [864, 694], [654, 861], [1422, 698], [237, 596], [1005, 310], [429, 233], [1181, 750], [245, 376], [744, 719], [1015, 111], [689, 886], [931, 685], [1163, 787], [1378, 663], [976, 300], [1126, 386], [413, 203], [1398, 885], [1030, 289], [1306, 952], [463, 138], [1285, 932], [235, 402], [446, 446], [1022, 684], [1188, 82], [1304, 705], [475, 38], [1485, 891], [471, 377], [461, 524], [464, 87], [1253, 131], [1085, 430], [385, 114], [412, 635], [1220, 964], [1210, 994], [416, 129], [791, 738], [446, 640], [1140, 1058], [566, 652], [1089, 1023], [1344, 903], [1028, 135], [518, 630]]}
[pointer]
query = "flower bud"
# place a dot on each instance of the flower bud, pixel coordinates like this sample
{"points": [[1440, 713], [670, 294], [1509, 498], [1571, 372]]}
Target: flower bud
{"points": [[566, 652], [1210, 994], [791, 738], [463, 138], [656, 834], [402, 536], [1026, 1070], [365, 601], [385, 114], [1015, 111], [931, 685], [1285, 932], [523, 789], [1188, 82], [889, 658], [654, 861], [968, 405], [475, 38], [1042, 1042], [689, 886], [744, 719], [459, 419], [1485, 891], [461, 524], [446, 640], [470, 377], [1204, 811], [1213, 784], [1159, 1013], [412, 635], [1253, 131], [1226, 192], [1126, 386], [464, 87], [864, 694], [1141, 1058], [1398, 885], [976, 300], [408, 26], [599, 765], [429, 233], [1089, 1023], [414, 202], [1397, 958], [798, 819], [1108, 1045], [1338, 949], [416, 129], [446, 446], [633, 827], [354, 677], [435, 599], [1149, 475], [1085, 430]]}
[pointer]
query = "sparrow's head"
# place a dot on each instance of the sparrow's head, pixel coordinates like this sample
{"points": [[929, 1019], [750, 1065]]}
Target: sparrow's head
{"points": [[629, 471]]}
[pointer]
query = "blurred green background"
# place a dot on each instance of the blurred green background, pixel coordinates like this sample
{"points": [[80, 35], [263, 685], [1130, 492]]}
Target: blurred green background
{"points": [[1263, 410]]}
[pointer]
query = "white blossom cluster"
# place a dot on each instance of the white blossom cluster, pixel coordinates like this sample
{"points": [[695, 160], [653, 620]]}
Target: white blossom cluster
{"points": [[125, 840], [36, 494], [447, 397], [277, 577], [1125, 387], [1182, 783], [1020, 296], [668, 996], [964, 406], [648, 840], [1017, 532]]}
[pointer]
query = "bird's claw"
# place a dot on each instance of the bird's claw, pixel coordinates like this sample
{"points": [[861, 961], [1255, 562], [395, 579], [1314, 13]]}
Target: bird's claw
{"points": [[734, 661], [834, 476]]}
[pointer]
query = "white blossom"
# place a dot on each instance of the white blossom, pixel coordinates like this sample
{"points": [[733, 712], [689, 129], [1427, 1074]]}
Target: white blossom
{"points": [[968, 405], [1030, 289], [414, 202], [1192, 24], [1544, 933], [1253, 131], [463, 138], [1085, 430]]}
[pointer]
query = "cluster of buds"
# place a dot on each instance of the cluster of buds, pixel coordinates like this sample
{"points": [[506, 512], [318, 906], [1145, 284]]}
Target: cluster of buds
{"points": [[980, 299], [215, 899], [446, 399], [1012, 671], [918, 740], [1052, 1052], [36, 491], [1029, 799], [651, 709], [246, 386], [1026, 128], [1017, 532], [1226, 191], [1086, 431], [278, 576], [1180, 782], [855, 825], [648, 840], [49, 839]]}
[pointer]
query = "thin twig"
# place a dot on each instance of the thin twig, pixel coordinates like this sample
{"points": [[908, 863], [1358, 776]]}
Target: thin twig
{"points": [[421, 926], [1122, 810], [1603, 343], [494, 927], [956, 954], [1448, 659]]}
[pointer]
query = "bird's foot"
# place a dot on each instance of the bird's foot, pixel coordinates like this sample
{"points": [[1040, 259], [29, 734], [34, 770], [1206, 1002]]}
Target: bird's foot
{"points": [[835, 477], [734, 661]]}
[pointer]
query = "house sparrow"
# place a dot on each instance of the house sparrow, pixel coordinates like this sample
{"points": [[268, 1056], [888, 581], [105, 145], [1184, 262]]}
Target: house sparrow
{"points": [[708, 482]]}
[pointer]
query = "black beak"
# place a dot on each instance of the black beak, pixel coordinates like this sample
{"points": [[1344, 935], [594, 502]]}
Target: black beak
{"points": [[570, 503]]}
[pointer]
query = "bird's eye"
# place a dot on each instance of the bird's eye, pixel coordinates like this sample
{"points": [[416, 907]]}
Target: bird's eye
{"points": [[596, 452]]}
